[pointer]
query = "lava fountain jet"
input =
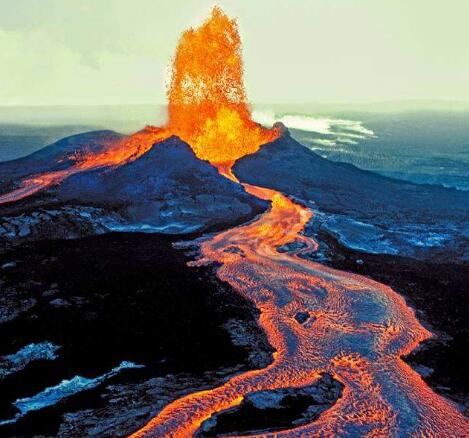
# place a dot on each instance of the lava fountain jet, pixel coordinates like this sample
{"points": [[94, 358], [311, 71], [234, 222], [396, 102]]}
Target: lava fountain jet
{"points": [[207, 103], [207, 100]]}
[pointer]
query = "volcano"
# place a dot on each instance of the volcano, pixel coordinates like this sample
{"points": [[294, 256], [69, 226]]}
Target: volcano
{"points": [[217, 305], [150, 179]]}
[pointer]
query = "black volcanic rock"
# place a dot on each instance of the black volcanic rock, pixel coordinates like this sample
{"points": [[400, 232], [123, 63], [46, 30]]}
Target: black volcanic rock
{"points": [[168, 189], [274, 410], [80, 307], [385, 214]]}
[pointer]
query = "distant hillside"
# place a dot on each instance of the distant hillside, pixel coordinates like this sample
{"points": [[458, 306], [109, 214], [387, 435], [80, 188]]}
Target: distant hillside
{"points": [[361, 204]]}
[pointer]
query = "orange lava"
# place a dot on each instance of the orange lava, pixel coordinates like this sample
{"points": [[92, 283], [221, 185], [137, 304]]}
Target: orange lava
{"points": [[207, 101], [358, 333], [128, 149]]}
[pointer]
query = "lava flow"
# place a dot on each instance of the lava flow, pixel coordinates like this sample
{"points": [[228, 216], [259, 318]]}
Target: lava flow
{"points": [[357, 332]]}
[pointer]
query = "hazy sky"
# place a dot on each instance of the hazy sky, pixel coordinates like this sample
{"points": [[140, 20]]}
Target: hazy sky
{"points": [[296, 51]]}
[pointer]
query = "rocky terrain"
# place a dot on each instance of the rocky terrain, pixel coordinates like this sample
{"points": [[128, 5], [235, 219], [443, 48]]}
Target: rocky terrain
{"points": [[98, 334], [165, 190]]}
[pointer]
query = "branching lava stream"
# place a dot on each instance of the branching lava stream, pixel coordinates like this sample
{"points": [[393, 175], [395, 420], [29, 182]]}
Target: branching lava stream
{"points": [[357, 332]]}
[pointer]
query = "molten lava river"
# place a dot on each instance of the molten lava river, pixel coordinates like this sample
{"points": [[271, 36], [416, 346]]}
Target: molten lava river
{"points": [[358, 330]]}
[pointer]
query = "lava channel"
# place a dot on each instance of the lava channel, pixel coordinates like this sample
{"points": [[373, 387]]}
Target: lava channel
{"points": [[358, 332]]}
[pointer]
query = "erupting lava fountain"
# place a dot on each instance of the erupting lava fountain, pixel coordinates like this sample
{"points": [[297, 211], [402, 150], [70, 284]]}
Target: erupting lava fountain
{"points": [[207, 108]]}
